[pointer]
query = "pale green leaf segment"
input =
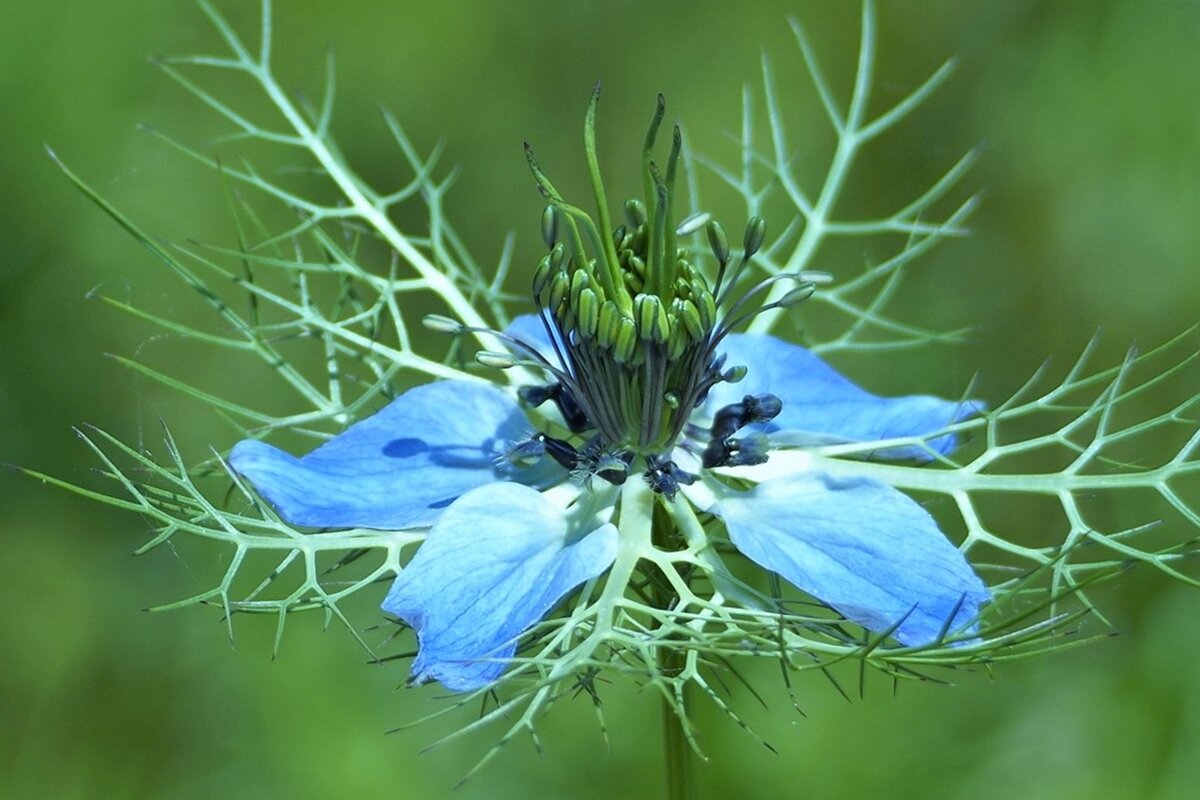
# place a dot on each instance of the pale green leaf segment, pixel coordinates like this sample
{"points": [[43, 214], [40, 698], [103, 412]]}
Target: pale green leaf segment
{"points": [[338, 274]]}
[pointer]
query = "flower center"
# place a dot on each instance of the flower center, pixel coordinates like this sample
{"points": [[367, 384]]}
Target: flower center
{"points": [[635, 326], [635, 336]]}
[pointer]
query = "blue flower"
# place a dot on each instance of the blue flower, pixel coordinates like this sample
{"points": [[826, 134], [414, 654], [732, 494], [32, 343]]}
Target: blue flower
{"points": [[647, 382], [500, 554]]}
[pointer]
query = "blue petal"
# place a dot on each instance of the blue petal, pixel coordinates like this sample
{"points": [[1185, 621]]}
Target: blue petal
{"points": [[399, 468], [861, 547], [819, 401], [494, 564], [530, 329]]}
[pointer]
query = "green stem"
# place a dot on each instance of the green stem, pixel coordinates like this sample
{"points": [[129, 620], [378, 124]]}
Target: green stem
{"points": [[677, 750], [671, 661]]}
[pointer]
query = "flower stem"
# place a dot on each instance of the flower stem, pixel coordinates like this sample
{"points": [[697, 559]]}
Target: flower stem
{"points": [[677, 750], [671, 661]]}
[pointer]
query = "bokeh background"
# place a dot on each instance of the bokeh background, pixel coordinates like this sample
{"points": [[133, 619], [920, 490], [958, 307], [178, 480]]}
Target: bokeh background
{"points": [[1091, 175]]}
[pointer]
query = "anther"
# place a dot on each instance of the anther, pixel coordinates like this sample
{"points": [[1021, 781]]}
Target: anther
{"points": [[734, 374], [756, 233], [692, 223], [719, 243], [635, 211], [441, 324], [495, 360], [549, 226]]}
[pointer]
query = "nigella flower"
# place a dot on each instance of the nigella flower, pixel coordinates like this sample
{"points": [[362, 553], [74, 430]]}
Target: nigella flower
{"points": [[646, 380]]}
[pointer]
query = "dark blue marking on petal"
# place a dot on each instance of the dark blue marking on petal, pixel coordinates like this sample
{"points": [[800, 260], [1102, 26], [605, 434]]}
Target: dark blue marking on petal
{"points": [[400, 467]]}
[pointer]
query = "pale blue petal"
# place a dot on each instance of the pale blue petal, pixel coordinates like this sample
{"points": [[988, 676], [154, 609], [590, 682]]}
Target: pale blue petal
{"points": [[861, 547], [530, 329], [399, 468], [493, 565], [820, 402]]}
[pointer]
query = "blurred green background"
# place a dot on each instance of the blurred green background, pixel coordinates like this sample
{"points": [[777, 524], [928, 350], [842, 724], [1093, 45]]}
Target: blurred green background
{"points": [[1091, 174]]}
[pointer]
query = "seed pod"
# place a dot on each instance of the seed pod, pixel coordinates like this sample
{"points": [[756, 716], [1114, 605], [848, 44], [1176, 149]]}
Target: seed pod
{"points": [[549, 226], [756, 232], [718, 241]]}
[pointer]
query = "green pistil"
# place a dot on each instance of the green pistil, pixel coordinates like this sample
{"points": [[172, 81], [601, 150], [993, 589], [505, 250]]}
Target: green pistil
{"points": [[607, 249], [660, 110]]}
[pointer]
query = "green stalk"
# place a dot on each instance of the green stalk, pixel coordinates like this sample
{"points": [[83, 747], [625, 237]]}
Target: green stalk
{"points": [[677, 751]]}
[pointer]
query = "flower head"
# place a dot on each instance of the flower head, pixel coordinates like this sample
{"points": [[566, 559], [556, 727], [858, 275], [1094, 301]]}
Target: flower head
{"points": [[648, 392]]}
